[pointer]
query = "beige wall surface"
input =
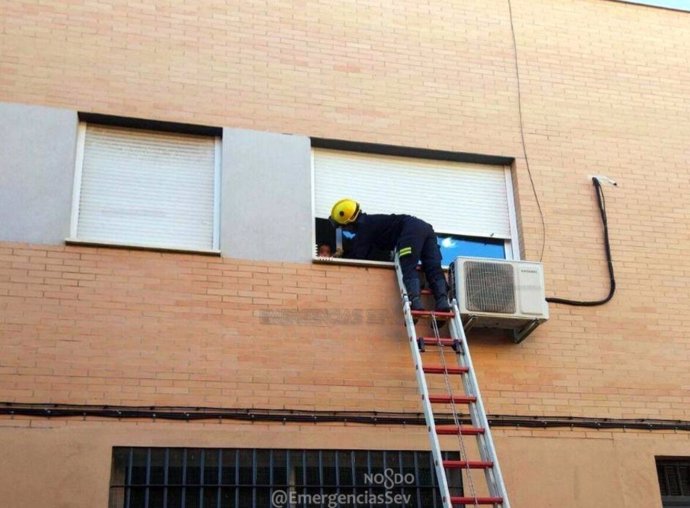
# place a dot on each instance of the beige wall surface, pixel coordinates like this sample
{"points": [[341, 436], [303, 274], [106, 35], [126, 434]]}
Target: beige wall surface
{"points": [[66, 463], [605, 89], [413, 73], [108, 326]]}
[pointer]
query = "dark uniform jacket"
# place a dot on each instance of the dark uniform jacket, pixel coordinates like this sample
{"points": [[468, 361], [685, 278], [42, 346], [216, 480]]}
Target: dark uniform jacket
{"points": [[383, 232]]}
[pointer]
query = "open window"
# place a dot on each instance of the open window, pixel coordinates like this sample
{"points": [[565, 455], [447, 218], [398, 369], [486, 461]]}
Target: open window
{"points": [[470, 205]]}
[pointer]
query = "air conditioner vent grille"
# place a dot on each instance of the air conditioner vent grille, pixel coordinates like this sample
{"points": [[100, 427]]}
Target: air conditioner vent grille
{"points": [[490, 287]]}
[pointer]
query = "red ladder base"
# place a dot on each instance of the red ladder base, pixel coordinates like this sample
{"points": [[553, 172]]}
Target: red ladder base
{"points": [[464, 464], [430, 313], [447, 399], [433, 341], [475, 500], [440, 369], [454, 430]]}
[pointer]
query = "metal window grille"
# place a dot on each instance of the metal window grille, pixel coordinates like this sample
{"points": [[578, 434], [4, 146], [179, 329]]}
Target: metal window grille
{"points": [[674, 482], [490, 287], [243, 478]]}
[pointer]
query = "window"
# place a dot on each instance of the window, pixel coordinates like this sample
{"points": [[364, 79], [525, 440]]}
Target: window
{"points": [[247, 478], [470, 205], [146, 188], [674, 481], [682, 5], [453, 246]]}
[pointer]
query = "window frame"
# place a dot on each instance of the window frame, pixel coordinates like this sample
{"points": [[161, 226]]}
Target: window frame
{"points": [[511, 245], [654, 5], [77, 188], [668, 501]]}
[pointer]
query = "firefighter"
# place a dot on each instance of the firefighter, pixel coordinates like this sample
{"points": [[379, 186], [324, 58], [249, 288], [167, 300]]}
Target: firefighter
{"points": [[412, 238]]}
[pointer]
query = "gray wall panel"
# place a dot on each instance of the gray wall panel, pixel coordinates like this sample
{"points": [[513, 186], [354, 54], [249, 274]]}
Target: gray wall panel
{"points": [[37, 150], [266, 196]]}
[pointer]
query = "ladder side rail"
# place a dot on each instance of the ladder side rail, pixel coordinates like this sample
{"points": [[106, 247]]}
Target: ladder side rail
{"points": [[477, 412], [424, 392]]}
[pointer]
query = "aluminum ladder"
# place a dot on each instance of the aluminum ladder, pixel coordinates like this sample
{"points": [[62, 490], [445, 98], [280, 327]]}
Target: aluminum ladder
{"points": [[462, 366]]}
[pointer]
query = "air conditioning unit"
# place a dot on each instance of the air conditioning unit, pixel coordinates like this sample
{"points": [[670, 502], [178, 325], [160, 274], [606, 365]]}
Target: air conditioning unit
{"points": [[493, 293]]}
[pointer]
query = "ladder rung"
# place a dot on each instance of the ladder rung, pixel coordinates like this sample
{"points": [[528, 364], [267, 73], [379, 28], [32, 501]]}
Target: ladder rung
{"points": [[433, 341], [464, 464], [440, 369], [426, 292], [455, 430], [447, 399], [475, 500], [430, 313]]}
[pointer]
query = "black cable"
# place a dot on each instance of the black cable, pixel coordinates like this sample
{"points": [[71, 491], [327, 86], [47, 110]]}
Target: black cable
{"points": [[522, 133], [83, 411], [600, 193], [607, 247]]}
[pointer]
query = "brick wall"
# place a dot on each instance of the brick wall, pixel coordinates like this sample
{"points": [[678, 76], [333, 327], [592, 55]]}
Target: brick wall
{"points": [[108, 326], [114, 326], [604, 90]]}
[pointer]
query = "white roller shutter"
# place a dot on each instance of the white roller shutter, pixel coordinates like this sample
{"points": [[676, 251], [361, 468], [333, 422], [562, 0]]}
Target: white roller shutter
{"points": [[147, 188], [456, 198]]}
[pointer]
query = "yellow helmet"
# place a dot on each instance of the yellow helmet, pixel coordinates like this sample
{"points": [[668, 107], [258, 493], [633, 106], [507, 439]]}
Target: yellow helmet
{"points": [[344, 212]]}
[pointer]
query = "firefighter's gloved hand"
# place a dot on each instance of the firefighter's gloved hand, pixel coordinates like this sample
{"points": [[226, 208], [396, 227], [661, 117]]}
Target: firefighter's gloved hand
{"points": [[338, 253]]}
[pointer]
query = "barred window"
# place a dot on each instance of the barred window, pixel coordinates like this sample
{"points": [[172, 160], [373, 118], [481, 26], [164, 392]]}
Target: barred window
{"points": [[243, 478], [674, 481]]}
